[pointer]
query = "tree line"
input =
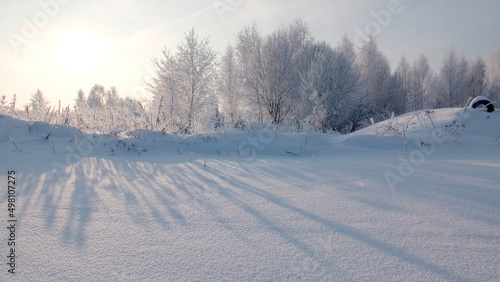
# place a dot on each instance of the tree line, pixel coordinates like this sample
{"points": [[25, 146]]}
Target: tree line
{"points": [[286, 78]]}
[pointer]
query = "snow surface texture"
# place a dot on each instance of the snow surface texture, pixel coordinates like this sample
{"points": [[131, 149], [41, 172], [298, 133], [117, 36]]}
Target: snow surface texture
{"points": [[258, 205]]}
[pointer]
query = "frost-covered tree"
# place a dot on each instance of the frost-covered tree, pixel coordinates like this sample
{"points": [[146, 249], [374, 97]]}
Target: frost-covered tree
{"points": [[346, 48], [494, 76], [333, 81], [395, 94], [375, 73], [403, 72], [12, 105], [80, 110], [112, 98], [476, 78], [164, 104], [80, 101], [3, 104], [184, 85], [317, 87], [133, 106], [229, 85], [271, 68], [95, 99], [249, 56], [196, 69], [38, 106], [453, 78], [420, 83], [279, 75]]}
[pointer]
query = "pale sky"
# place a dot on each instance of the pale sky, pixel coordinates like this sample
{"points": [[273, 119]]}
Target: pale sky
{"points": [[66, 45]]}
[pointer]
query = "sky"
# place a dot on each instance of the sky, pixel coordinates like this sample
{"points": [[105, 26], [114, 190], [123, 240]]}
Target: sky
{"points": [[61, 46]]}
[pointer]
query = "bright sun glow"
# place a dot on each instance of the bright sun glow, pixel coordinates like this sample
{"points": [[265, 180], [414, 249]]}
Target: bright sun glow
{"points": [[80, 51]]}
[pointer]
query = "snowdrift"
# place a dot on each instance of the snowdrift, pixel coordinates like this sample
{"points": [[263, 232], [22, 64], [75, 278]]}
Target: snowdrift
{"points": [[453, 126], [42, 138]]}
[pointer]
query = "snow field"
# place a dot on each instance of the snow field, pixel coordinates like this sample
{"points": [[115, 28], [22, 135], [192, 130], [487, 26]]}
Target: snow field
{"points": [[324, 214]]}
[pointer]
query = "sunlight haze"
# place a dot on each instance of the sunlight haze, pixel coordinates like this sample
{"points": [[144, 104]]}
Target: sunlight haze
{"points": [[62, 46]]}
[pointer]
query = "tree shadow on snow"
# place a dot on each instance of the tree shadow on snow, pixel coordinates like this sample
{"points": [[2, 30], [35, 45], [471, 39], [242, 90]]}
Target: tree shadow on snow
{"points": [[170, 195]]}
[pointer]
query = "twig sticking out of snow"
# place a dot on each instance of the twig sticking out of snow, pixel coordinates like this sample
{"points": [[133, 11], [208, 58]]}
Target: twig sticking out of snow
{"points": [[431, 116], [76, 142], [113, 151], [12, 140], [404, 137], [303, 149], [465, 108], [130, 140]]}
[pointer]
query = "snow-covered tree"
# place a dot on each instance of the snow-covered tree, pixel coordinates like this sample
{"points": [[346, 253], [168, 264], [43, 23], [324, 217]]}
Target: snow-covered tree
{"points": [[229, 85], [333, 81], [164, 104], [95, 99], [403, 72], [453, 78], [279, 72], [395, 94], [133, 106], [316, 85], [184, 86], [3, 104], [272, 66], [476, 78], [249, 56], [12, 105], [80, 100], [375, 73], [494, 77], [420, 83], [38, 106], [196, 67], [113, 100], [346, 48]]}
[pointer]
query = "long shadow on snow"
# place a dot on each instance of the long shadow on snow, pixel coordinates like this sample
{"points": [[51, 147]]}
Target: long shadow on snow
{"points": [[84, 196], [334, 226], [475, 197], [192, 184], [82, 205], [127, 177]]}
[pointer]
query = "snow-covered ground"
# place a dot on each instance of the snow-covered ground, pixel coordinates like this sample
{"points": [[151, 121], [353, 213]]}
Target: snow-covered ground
{"points": [[239, 206]]}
